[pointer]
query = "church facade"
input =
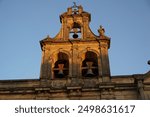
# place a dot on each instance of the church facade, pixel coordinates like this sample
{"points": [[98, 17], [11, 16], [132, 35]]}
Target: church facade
{"points": [[75, 65]]}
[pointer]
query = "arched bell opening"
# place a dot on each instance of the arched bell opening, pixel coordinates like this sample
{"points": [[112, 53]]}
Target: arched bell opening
{"points": [[90, 65], [75, 32], [61, 68]]}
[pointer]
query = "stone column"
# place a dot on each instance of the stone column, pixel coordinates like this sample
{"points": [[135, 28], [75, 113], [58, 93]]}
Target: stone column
{"points": [[105, 61], [51, 66], [65, 29], [44, 64], [74, 60], [70, 67], [99, 69], [42, 67]]}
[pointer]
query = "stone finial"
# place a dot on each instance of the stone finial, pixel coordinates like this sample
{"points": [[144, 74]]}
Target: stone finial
{"points": [[48, 36], [101, 31], [74, 5], [69, 11], [80, 9]]}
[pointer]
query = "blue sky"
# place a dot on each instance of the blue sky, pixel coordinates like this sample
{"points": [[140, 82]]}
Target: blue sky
{"points": [[23, 23]]}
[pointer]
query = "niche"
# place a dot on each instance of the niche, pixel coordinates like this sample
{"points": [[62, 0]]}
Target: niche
{"points": [[90, 65], [61, 68]]}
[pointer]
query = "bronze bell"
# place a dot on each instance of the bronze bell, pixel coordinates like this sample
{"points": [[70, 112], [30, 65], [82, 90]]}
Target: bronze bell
{"points": [[75, 36], [89, 71], [60, 67]]}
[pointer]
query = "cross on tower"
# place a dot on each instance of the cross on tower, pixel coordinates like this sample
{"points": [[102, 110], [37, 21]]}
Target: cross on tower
{"points": [[74, 5], [75, 8]]}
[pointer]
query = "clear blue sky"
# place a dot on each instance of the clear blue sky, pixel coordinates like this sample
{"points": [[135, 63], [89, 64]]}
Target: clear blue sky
{"points": [[23, 23]]}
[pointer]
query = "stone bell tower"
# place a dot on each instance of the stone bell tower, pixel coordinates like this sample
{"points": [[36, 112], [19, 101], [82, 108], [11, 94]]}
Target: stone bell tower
{"points": [[75, 65], [76, 52]]}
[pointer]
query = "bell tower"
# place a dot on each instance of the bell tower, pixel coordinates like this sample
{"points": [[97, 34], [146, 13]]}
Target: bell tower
{"points": [[76, 52]]}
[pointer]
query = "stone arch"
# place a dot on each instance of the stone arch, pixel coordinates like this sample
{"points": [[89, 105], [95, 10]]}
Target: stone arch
{"points": [[75, 30], [55, 60], [91, 63], [54, 54], [82, 53]]}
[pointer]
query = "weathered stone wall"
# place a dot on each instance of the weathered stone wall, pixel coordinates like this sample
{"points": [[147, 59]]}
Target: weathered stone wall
{"points": [[120, 88]]}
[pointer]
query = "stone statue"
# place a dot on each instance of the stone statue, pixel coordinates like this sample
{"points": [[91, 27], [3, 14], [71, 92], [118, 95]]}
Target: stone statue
{"points": [[101, 31]]}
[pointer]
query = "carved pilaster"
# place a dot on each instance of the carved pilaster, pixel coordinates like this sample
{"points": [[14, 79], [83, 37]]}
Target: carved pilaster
{"points": [[105, 61], [74, 60], [141, 89]]}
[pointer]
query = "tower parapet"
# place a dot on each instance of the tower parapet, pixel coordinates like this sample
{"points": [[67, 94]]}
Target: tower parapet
{"points": [[76, 51]]}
